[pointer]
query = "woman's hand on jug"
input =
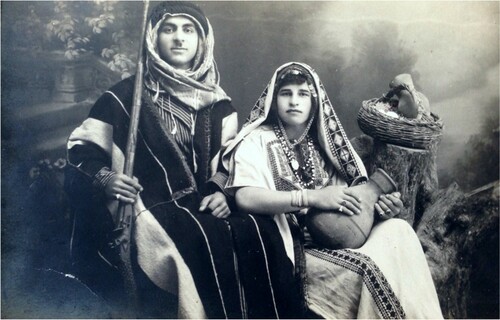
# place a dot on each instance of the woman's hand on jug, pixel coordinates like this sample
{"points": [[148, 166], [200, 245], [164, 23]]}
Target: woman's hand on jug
{"points": [[389, 205], [341, 199]]}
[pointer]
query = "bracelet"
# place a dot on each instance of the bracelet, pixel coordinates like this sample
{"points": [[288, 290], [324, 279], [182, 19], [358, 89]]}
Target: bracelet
{"points": [[294, 201], [305, 197], [299, 198], [102, 177]]}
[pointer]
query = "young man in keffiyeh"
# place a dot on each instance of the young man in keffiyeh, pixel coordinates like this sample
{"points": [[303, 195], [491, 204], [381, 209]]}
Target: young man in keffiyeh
{"points": [[181, 250], [293, 154]]}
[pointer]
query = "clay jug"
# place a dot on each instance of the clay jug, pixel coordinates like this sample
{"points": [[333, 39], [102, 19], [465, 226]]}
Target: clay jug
{"points": [[335, 230]]}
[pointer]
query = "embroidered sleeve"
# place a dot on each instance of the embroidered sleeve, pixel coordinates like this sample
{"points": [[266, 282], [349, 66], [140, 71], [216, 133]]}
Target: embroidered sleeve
{"points": [[219, 180], [102, 178], [88, 158]]}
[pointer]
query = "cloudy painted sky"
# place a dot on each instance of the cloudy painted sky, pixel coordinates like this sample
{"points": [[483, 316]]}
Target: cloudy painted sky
{"points": [[450, 48], [455, 44]]}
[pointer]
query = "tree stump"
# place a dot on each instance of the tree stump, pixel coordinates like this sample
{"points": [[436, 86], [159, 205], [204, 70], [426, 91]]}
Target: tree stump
{"points": [[458, 231], [406, 166], [414, 170], [429, 185]]}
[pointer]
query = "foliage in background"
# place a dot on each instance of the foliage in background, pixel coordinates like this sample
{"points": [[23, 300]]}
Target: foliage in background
{"points": [[104, 28], [67, 25], [47, 170]]}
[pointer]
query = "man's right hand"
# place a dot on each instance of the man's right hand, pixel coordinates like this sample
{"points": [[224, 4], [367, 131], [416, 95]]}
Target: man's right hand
{"points": [[123, 188]]}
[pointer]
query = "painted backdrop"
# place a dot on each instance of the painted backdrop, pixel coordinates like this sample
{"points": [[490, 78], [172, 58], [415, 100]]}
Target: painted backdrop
{"points": [[450, 48]]}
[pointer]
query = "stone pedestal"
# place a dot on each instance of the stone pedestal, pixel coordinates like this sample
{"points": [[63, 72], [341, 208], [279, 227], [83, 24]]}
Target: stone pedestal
{"points": [[73, 78]]}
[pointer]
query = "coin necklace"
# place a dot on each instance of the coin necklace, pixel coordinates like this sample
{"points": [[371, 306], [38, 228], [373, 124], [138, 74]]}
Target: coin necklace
{"points": [[306, 174]]}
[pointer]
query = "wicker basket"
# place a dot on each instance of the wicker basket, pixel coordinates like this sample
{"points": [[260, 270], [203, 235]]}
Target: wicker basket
{"points": [[413, 133]]}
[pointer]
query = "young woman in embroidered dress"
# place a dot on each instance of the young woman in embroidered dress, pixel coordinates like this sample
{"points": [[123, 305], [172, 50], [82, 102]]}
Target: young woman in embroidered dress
{"points": [[292, 154]]}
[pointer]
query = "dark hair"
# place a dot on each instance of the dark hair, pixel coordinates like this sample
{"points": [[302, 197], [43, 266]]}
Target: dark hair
{"points": [[290, 78]]}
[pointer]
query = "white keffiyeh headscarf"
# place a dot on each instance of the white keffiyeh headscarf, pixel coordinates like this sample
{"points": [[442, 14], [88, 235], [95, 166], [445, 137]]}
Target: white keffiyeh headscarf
{"points": [[197, 87]]}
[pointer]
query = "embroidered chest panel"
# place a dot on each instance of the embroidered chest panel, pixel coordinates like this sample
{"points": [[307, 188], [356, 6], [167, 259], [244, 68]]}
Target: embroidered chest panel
{"points": [[283, 176]]}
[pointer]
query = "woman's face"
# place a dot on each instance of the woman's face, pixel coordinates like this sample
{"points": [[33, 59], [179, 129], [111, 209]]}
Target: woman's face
{"points": [[294, 104], [178, 41]]}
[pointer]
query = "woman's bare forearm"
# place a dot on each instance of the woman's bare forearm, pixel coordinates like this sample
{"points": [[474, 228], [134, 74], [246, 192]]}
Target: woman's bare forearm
{"points": [[264, 201]]}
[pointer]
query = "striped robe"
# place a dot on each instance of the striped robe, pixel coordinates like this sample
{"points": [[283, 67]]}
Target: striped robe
{"points": [[216, 268]]}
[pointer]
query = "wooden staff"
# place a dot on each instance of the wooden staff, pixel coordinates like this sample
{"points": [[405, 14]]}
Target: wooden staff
{"points": [[126, 211]]}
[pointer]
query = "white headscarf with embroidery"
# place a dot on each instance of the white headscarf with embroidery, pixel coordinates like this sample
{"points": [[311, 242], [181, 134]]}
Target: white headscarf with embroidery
{"points": [[331, 134]]}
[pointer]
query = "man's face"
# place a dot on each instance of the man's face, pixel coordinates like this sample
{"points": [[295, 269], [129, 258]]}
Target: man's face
{"points": [[178, 41]]}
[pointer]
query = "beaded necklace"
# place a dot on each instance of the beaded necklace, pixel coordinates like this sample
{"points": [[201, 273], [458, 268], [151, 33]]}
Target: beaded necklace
{"points": [[306, 174], [301, 138]]}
